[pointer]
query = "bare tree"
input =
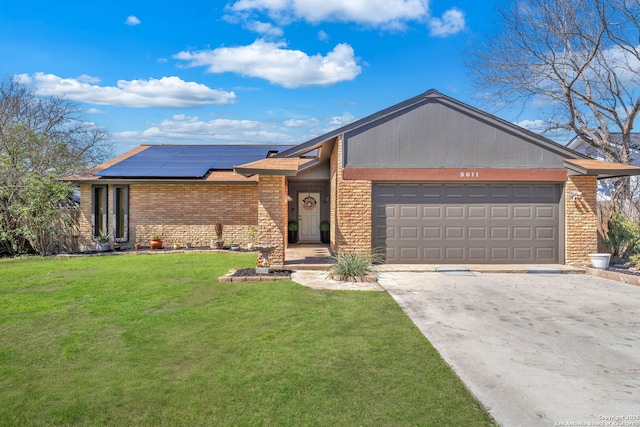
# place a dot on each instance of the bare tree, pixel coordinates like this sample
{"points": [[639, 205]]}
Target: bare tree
{"points": [[578, 59], [41, 139]]}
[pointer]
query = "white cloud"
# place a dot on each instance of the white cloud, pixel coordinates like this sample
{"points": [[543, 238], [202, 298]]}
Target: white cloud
{"points": [[164, 92], [322, 36], [452, 22], [302, 123], [537, 126], [380, 13], [188, 129], [342, 120], [85, 78], [132, 20], [272, 62], [264, 28]]}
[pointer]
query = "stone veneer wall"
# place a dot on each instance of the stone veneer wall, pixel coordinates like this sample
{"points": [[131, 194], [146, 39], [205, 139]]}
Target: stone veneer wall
{"points": [[352, 209], [180, 213], [272, 215], [581, 219]]}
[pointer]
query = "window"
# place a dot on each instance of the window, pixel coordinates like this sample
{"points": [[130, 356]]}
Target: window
{"points": [[121, 208], [100, 222]]}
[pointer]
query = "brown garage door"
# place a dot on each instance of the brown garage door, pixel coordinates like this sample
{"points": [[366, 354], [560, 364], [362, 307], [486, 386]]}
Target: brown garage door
{"points": [[475, 223]]}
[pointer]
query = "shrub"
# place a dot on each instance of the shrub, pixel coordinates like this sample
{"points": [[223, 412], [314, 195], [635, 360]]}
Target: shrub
{"points": [[350, 266], [623, 236]]}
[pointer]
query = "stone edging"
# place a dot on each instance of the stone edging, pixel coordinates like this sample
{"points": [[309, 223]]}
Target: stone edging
{"points": [[614, 275], [257, 278]]}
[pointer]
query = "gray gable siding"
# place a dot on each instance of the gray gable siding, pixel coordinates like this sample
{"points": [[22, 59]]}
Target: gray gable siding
{"points": [[437, 135]]}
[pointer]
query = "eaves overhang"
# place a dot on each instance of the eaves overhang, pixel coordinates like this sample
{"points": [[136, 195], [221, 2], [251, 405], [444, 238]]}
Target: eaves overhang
{"points": [[599, 168], [275, 166]]}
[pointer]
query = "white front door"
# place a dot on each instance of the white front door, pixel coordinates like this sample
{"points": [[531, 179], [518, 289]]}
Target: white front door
{"points": [[309, 217]]}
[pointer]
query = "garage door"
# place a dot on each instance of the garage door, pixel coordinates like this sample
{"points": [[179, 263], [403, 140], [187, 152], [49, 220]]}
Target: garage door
{"points": [[475, 223]]}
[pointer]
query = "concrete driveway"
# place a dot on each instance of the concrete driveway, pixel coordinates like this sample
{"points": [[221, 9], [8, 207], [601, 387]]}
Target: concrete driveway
{"points": [[536, 350]]}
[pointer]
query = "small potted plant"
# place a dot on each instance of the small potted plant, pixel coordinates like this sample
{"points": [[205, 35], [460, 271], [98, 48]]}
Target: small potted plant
{"points": [[176, 246], [324, 231], [102, 245], [155, 242], [293, 231], [253, 231], [187, 245], [137, 246], [219, 227]]}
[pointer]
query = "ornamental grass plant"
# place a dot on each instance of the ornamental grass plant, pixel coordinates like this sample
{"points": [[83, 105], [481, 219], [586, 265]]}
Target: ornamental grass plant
{"points": [[350, 266]]}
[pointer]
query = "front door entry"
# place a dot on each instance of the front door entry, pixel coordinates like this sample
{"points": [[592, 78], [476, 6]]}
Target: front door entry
{"points": [[309, 217]]}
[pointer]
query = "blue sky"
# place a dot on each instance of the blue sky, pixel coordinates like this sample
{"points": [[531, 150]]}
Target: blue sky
{"points": [[241, 71]]}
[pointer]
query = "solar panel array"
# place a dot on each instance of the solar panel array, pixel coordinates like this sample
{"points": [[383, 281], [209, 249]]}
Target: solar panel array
{"points": [[187, 161]]}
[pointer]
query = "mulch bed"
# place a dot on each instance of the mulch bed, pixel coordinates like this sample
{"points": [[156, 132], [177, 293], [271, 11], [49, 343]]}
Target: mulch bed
{"points": [[250, 275], [250, 272]]}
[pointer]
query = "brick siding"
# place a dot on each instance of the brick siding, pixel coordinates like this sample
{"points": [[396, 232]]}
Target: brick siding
{"points": [[272, 215], [352, 208], [180, 213], [581, 219]]}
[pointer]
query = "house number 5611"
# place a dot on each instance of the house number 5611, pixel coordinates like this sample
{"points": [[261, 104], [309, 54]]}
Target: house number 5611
{"points": [[469, 174]]}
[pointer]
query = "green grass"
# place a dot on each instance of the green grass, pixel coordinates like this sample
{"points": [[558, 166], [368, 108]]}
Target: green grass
{"points": [[156, 340]]}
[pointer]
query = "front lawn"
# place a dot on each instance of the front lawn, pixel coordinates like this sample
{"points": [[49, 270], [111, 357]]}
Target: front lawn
{"points": [[155, 340]]}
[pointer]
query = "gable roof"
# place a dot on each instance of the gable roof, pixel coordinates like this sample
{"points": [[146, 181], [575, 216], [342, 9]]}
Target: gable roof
{"points": [[433, 95]]}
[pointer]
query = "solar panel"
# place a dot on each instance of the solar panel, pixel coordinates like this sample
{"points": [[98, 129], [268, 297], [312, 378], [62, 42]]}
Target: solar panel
{"points": [[187, 161]]}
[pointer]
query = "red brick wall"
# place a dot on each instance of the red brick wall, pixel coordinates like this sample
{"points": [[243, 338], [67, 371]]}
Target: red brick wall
{"points": [[272, 215], [181, 213], [581, 219]]}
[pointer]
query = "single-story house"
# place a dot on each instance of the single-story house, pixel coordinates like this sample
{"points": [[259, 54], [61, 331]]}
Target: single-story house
{"points": [[428, 180]]}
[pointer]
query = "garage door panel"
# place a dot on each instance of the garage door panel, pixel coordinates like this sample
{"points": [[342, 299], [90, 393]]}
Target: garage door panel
{"points": [[431, 212], [453, 192], [522, 233], [409, 233], [499, 191], [409, 254], [409, 212], [499, 212], [522, 191], [477, 212], [384, 232], [522, 212], [500, 254], [477, 254], [546, 254], [453, 233], [545, 212], [383, 212], [434, 253], [432, 191], [455, 253], [478, 191], [522, 254], [477, 233], [499, 233], [432, 233], [454, 212], [472, 223]]}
